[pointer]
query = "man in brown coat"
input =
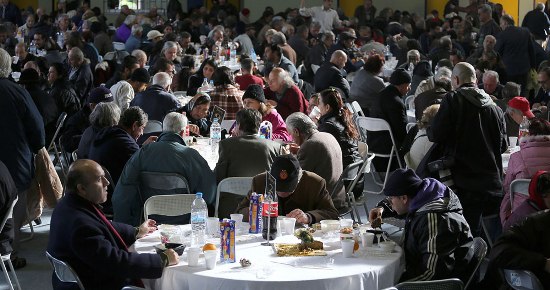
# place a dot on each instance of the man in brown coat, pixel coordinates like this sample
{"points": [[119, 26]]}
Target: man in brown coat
{"points": [[301, 194]]}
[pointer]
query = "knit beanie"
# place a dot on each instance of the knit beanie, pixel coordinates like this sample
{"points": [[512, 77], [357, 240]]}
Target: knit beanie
{"points": [[255, 92], [399, 77], [403, 182]]}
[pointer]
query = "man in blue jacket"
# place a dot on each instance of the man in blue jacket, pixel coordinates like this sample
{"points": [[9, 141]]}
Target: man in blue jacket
{"points": [[96, 248], [168, 155], [435, 234]]}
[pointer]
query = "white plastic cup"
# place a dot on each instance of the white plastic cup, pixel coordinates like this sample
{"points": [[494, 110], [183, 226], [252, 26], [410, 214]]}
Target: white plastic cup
{"points": [[346, 223], [513, 141], [367, 239], [347, 248], [213, 226], [237, 217], [315, 112], [193, 256], [210, 259], [288, 224]]}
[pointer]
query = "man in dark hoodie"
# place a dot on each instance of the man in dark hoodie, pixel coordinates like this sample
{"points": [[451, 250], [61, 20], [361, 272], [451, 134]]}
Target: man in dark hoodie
{"points": [[436, 233], [471, 129]]}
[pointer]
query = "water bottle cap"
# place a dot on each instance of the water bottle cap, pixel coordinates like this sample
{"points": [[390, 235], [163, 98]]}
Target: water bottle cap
{"points": [[215, 120], [199, 194]]}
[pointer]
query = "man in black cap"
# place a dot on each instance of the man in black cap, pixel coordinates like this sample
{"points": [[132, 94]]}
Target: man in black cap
{"points": [[76, 124], [392, 109], [436, 233], [301, 194]]}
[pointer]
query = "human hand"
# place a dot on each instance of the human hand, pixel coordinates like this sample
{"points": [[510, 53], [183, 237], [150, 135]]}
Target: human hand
{"points": [[147, 227], [294, 148], [300, 216], [194, 129], [375, 217], [173, 257], [151, 139]]}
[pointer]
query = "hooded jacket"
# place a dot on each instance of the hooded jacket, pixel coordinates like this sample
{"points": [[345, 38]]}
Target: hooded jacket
{"points": [[478, 142], [436, 234]]}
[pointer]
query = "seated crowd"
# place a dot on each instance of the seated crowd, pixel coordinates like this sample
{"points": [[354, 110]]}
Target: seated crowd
{"points": [[459, 92]]}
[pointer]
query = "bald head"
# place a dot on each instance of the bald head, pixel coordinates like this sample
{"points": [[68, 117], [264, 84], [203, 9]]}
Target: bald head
{"points": [[339, 58], [463, 73], [87, 179]]}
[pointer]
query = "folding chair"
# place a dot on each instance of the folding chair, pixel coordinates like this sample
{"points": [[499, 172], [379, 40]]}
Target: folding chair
{"points": [[476, 254], [160, 183], [118, 46], [518, 186], [235, 185], [64, 272], [227, 124], [522, 280], [351, 173], [168, 205], [375, 124], [132, 288], [492, 228], [152, 126], [410, 126], [53, 145], [357, 109], [409, 102], [445, 284], [6, 258]]}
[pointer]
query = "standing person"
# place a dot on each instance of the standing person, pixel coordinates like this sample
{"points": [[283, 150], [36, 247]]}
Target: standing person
{"points": [[24, 131], [472, 126], [8, 193], [436, 233], [364, 14], [515, 47], [94, 247], [327, 16], [537, 22], [80, 75]]}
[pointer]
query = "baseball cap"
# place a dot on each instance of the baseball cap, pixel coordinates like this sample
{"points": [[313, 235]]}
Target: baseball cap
{"points": [[99, 95], [153, 34], [286, 170], [521, 104]]}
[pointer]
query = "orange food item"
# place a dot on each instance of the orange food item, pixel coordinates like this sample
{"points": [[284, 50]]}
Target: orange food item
{"points": [[208, 247], [356, 246]]}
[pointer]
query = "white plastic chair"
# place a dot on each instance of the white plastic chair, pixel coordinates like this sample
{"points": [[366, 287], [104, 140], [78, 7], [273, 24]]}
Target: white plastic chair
{"points": [[119, 46], [446, 284], [409, 102], [518, 186], [6, 257], [522, 280], [357, 109], [168, 205], [376, 125], [235, 185], [226, 124], [152, 126], [410, 126], [64, 272]]}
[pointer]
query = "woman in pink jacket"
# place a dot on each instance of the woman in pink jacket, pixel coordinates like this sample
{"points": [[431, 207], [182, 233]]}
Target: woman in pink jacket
{"points": [[533, 156]]}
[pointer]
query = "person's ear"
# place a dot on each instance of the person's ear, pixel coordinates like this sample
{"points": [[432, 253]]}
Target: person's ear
{"points": [[296, 132]]}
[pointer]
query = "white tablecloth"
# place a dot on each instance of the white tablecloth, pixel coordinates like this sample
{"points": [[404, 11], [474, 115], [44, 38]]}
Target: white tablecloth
{"points": [[367, 270], [206, 152], [506, 157]]}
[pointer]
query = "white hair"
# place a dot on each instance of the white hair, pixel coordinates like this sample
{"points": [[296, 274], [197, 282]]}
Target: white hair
{"points": [[174, 122], [302, 123], [136, 28], [285, 78], [168, 45], [5, 63], [443, 72], [162, 79], [130, 19], [491, 73], [105, 114]]}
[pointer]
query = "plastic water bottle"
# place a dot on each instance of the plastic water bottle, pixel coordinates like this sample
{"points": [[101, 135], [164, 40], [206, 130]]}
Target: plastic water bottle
{"points": [[204, 86], [232, 54], [211, 85], [199, 213], [215, 135], [524, 128], [253, 55], [32, 48], [410, 69]]}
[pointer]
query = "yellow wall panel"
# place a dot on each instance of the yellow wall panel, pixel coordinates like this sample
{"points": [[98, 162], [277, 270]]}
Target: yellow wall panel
{"points": [[349, 6], [23, 4]]}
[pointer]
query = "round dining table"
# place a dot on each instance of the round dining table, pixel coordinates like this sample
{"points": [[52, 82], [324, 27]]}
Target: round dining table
{"points": [[369, 268]]}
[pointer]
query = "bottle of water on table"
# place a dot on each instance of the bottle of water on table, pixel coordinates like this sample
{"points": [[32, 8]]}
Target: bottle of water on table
{"points": [[199, 213], [215, 135]]}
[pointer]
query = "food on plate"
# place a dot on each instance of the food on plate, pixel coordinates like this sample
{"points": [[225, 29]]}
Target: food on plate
{"points": [[346, 231]]}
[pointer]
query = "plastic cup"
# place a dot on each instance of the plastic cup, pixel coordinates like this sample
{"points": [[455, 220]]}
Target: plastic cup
{"points": [[346, 223], [367, 239], [288, 224], [210, 259], [513, 141], [193, 256], [213, 226], [237, 217], [280, 225], [315, 112], [347, 248]]}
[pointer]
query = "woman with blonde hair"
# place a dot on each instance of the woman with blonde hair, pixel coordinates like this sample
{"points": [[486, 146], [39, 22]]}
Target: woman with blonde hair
{"points": [[421, 143]]}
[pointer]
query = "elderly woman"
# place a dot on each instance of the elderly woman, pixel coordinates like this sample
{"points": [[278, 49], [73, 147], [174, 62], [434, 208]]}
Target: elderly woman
{"points": [[254, 98], [533, 156], [285, 94], [421, 143], [337, 120], [61, 90], [206, 71], [169, 52], [197, 112], [106, 114], [366, 84], [225, 95]]}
